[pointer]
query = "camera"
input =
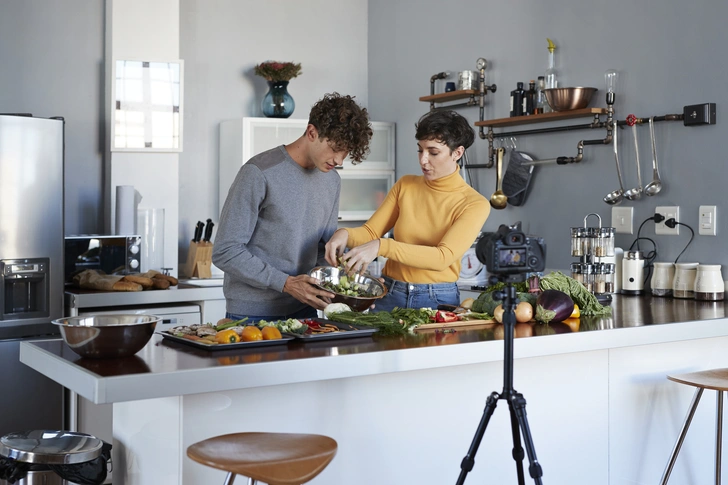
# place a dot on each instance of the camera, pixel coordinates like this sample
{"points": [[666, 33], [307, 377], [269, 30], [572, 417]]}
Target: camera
{"points": [[508, 251]]}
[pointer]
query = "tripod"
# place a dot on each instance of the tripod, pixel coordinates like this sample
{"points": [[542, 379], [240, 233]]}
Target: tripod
{"points": [[516, 401]]}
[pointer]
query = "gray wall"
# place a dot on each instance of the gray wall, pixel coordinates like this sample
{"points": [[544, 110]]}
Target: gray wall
{"points": [[52, 55], [662, 69]]}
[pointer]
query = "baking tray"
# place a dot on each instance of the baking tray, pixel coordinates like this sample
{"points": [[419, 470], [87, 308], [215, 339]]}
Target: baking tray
{"points": [[347, 331], [238, 345]]}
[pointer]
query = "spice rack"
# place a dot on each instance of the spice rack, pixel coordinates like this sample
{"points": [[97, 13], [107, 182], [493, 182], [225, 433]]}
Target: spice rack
{"points": [[591, 245]]}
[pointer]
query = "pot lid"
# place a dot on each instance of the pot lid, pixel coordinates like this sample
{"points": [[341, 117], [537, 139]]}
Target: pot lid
{"points": [[50, 447]]}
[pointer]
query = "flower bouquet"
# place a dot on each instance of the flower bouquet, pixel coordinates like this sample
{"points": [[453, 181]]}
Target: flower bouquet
{"points": [[278, 71]]}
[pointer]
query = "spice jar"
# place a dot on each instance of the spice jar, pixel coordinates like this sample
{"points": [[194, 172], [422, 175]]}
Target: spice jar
{"points": [[579, 241], [604, 242]]}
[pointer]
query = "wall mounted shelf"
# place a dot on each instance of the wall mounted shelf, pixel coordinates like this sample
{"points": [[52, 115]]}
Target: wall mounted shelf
{"points": [[451, 96], [540, 118]]}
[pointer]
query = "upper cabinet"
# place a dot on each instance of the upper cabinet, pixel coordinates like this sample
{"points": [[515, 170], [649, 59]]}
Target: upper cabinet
{"points": [[243, 138]]}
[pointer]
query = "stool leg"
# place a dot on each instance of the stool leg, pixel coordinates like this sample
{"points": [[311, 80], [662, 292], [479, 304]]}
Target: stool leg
{"points": [[229, 479], [681, 438], [718, 435]]}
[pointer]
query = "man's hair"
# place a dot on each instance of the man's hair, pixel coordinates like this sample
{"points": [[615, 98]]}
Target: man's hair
{"points": [[343, 123], [446, 127]]}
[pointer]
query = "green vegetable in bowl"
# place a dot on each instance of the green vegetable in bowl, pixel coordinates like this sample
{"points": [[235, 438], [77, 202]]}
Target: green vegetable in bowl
{"points": [[332, 308]]}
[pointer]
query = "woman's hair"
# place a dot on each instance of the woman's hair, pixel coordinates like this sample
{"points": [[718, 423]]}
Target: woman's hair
{"points": [[343, 123], [446, 127]]}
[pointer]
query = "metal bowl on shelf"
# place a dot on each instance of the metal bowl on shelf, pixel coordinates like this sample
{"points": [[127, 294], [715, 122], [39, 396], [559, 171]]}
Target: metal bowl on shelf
{"points": [[368, 284], [107, 336], [565, 99]]}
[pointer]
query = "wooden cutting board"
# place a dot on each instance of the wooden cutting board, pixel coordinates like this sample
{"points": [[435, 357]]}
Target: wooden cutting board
{"points": [[460, 324]]}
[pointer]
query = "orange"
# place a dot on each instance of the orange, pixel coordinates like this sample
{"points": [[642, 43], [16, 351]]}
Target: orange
{"points": [[251, 333], [271, 333]]}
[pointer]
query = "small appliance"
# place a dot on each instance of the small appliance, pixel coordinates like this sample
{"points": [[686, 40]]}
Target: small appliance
{"points": [[633, 269], [110, 254]]}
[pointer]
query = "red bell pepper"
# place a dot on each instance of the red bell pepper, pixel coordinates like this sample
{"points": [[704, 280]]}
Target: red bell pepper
{"points": [[446, 317]]}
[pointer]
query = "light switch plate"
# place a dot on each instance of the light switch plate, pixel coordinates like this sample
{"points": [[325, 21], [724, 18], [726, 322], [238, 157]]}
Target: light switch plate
{"points": [[706, 220], [622, 218]]}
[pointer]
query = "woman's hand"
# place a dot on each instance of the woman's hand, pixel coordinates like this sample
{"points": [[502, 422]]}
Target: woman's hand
{"points": [[336, 245], [357, 260]]}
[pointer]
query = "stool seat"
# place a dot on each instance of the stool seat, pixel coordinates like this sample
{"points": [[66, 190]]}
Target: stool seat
{"points": [[715, 379], [273, 458]]}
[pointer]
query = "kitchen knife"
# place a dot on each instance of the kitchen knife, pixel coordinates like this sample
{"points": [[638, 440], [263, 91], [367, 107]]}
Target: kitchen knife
{"points": [[208, 230], [198, 231]]}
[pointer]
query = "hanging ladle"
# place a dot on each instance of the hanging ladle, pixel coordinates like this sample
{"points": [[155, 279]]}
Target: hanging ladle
{"points": [[656, 185], [615, 197], [499, 200], [635, 193]]}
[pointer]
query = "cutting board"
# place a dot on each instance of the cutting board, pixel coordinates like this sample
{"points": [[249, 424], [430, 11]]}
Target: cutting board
{"points": [[461, 324]]}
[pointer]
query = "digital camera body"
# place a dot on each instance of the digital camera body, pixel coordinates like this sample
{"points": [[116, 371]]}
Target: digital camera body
{"points": [[509, 251]]}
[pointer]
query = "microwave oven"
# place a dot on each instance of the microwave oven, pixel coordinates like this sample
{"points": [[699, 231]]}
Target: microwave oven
{"points": [[108, 254]]}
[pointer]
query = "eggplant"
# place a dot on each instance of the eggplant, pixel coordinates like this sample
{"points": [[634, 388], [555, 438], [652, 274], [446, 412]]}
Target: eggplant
{"points": [[553, 306]]}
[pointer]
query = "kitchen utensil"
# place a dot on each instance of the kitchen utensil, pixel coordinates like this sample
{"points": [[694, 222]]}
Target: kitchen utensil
{"points": [[709, 284], [662, 277], [635, 193], [616, 196], [655, 186], [107, 336], [683, 284], [198, 231], [369, 284], [565, 99], [208, 230], [499, 200], [633, 268], [517, 178]]}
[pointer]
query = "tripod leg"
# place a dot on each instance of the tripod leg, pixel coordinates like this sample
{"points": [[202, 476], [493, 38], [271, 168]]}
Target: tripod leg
{"points": [[519, 403], [518, 454], [467, 464]]}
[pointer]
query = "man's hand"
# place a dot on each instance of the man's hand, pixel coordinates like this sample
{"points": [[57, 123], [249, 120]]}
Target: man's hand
{"points": [[303, 288], [336, 245]]}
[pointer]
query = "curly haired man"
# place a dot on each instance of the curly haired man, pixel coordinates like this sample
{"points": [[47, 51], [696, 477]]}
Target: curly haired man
{"points": [[280, 211]]}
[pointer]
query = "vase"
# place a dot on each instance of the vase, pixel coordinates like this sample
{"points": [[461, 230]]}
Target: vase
{"points": [[277, 103]]}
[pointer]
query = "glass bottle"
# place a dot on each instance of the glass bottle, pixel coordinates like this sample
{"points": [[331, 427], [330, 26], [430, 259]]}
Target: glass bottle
{"points": [[517, 100], [529, 99], [540, 96], [551, 73]]}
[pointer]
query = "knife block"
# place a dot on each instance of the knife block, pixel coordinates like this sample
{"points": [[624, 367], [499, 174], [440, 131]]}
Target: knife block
{"points": [[199, 259]]}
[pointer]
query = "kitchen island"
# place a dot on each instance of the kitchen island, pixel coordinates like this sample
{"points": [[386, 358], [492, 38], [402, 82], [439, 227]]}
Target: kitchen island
{"points": [[405, 409]]}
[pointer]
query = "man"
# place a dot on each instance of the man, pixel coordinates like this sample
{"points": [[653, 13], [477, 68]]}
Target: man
{"points": [[280, 211]]}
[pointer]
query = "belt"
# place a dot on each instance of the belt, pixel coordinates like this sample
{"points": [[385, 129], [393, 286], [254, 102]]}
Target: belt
{"points": [[416, 287]]}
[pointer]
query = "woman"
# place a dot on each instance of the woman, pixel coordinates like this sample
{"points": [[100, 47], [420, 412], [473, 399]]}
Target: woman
{"points": [[436, 217]]}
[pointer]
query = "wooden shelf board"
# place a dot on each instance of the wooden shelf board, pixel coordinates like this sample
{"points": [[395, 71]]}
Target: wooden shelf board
{"points": [[451, 96], [553, 116]]}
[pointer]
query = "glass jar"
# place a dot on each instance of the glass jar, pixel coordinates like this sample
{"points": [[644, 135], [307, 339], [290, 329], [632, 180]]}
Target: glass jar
{"points": [[579, 241], [584, 274], [604, 242], [608, 274]]}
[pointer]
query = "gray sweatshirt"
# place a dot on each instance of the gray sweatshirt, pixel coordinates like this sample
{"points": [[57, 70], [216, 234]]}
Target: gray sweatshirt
{"points": [[274, 223]]}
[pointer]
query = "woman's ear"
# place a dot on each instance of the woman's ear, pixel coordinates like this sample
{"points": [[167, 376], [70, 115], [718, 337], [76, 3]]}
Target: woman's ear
{"points": [[458, 153]]}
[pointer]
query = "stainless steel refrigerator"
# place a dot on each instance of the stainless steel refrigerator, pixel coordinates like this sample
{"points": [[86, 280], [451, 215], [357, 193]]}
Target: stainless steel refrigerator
{"points": [[31, 265]]}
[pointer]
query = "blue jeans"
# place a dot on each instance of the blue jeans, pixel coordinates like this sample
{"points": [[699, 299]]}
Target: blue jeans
{"points": [[308, 312], [410, 295]]}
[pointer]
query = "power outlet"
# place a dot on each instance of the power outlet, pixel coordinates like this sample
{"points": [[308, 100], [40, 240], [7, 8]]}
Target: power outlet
{"points": [[669, 212], [622, 218]]}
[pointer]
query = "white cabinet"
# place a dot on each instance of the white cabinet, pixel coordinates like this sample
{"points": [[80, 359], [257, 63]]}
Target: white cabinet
{"points": [[363, 186]]}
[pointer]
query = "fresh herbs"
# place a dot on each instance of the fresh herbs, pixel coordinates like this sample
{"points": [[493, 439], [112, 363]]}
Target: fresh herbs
{"points": [[399, 321]]}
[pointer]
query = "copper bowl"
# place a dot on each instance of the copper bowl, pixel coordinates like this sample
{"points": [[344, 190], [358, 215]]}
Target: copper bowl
{"points": [[370, 284], [107, 336], [565, 99]]}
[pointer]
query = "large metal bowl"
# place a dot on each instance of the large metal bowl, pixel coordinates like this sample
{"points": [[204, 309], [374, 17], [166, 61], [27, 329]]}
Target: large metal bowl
{"points": [[357, 303], [107, 336], [565, 99]]}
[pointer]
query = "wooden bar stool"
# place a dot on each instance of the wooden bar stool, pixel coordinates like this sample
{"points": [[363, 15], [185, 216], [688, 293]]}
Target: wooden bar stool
{"points": [[273, 458], [717, 380]]}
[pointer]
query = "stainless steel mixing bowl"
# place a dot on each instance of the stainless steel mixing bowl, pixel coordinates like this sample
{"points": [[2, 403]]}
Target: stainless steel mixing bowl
{"points": [[565, 99], [107, 336], [371, 285]]}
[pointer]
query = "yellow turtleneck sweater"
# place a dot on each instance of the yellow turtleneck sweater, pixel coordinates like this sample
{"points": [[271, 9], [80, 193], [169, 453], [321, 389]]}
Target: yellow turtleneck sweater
{"points": [[434, 223]]}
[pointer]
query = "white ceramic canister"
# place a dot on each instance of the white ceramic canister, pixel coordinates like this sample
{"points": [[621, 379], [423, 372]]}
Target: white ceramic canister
{"points": [[683, 284], [662, 277], [709, 284]]}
